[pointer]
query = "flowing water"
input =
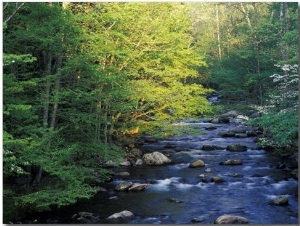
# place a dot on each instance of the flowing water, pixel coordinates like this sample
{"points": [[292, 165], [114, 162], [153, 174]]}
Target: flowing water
{"points": [[245, 192]]}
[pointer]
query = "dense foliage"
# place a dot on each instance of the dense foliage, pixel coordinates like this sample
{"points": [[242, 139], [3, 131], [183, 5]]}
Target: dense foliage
{"points": [[280, 119], [80, 78]]}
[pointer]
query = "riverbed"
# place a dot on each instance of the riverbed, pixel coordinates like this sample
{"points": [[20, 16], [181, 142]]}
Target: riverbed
{"points": [[245, 191]]}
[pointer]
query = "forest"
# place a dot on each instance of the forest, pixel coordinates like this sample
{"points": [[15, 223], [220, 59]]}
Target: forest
{"points": [[82, 81]]}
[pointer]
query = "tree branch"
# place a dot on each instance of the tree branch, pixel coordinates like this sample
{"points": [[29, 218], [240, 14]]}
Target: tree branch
{"points": [[8, 18]]}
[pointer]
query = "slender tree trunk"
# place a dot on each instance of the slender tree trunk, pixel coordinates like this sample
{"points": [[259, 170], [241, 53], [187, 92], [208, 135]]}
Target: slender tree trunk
{"points": [[48, 70], [47, 88], [257, 49], [218, 32], [57, 90], [284, 27], [246, 15]]}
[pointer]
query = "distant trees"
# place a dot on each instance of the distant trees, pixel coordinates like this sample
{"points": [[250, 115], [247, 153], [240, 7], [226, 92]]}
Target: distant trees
{"points": [[252, 38]]}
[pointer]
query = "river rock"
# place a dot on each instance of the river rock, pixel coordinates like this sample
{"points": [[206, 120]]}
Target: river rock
{"points": [[110, 163], [197, 219], [125, 214], [139, 162], [85, 217], [150, 139], [208, 170], [210, 128], [101, 189], [232, 162], [225, 118], [251, 133], [198, 163], [206, 147], [238, 175], [240, 135], [170, 146], [231, 219], [123, 186], [125, 163], [156, 158], [236, 148], [175, 200], [294, 174], [227, 134], [135, 153], [217, 180], [139, 187], [279, 201], [123, 174]]}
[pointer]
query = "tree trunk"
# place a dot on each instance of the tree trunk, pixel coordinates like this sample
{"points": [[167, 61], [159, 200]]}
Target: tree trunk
{"points": [[48, 61], [57, 90], [218, 33], [47, 88], [246, 15]]}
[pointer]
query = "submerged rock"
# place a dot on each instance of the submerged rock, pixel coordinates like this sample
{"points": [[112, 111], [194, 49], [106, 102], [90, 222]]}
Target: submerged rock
{"points": [[217, 180], [123, 174], [240, 135], [210, 128], [150, 139], [206, 147], [280, 201], [232, 162], [156, 158], [175, 200], [227, 134], [231, 219], [236, 148], [197, 219]]}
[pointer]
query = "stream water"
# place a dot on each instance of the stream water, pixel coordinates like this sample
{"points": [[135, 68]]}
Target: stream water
{"points": [[245, 192]]}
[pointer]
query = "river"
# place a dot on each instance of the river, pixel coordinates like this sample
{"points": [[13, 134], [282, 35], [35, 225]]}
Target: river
{"points": [[245, 192]]}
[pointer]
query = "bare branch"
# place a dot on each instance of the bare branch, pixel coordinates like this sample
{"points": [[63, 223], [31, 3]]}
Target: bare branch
{"points": [[8, 18]]}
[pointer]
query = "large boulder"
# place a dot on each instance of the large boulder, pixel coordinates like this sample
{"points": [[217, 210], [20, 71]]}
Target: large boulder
{"points": [[155, 158], [198, 163], [123, 186], [125, 214], [236, 148], [280, 201], [232, 162], [231, 219]]}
